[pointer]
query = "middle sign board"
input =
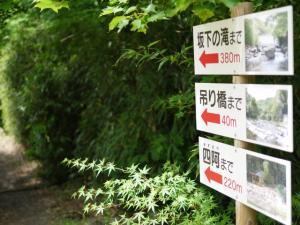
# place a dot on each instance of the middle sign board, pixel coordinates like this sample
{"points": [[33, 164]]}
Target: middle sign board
{"points": [[257, 44], [260, 114]]}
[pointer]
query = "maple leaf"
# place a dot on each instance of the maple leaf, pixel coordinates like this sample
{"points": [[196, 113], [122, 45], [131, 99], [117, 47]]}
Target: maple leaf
{"points": [[54, 5]]}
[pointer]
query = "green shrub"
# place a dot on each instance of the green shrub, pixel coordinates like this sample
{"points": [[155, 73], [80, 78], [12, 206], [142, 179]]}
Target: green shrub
{"points": [[63, 96], [139, 198], [46, 81]]}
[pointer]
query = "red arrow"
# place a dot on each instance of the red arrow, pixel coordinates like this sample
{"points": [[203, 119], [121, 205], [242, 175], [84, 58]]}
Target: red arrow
{"points": [[211, 175], [209, 58], [210, 117]]}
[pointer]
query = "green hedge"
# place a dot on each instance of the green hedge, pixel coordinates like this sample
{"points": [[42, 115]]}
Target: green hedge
{"points": [[63, 96], [47, 81]]}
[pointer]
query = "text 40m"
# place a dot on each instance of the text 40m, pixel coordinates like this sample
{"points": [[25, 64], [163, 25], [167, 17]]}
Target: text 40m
{"points": [[229, 57], [228, 121]]}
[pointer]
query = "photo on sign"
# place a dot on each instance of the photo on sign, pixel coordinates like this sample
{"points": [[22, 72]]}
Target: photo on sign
{"points": [[266, 42], [266, 186], [267, 115]]}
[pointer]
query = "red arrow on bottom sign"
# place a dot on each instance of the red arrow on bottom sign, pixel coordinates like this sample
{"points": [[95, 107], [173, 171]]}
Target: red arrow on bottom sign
{"points": [[211, 175]]}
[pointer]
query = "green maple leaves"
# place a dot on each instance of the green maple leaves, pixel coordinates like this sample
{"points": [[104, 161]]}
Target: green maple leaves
{"points": [[142, 198], [54, 5], [139, 20]]}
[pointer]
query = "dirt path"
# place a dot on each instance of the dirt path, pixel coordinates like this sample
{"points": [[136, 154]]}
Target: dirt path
{"points": [[15, 171], [36, 207], [23, 199]]}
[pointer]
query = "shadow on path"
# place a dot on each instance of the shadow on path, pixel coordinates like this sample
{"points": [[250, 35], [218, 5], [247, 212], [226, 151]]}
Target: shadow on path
{"points": [[24, 200], [31, 207], [15, 171]]}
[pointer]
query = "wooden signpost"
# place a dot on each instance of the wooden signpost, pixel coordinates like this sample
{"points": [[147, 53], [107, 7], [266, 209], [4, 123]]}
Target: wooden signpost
{"points": [[244, 214], [247, 44]]}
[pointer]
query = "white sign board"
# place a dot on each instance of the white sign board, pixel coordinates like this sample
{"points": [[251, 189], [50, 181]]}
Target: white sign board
{"points": [[258, 44], [256, 180], [260, 114]]}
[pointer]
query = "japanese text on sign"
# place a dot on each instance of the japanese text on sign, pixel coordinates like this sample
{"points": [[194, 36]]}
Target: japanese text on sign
{"points": [[219, 38], [219, 99]]}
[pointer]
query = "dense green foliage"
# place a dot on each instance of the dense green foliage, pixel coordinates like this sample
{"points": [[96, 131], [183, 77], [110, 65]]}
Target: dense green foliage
{"points": [[39, 104], [61, 100], [70, 88]]}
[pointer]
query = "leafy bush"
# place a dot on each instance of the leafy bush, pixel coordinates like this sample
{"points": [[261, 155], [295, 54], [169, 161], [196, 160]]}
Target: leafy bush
{"points": [[62, 100], [46, 80], [138, 198]]}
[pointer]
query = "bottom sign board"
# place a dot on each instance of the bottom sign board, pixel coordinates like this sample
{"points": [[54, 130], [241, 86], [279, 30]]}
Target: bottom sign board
{"points": [[259, 181]]}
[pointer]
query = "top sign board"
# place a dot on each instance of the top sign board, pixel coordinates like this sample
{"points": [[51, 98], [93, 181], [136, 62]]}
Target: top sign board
{"points": [[255, 44]]}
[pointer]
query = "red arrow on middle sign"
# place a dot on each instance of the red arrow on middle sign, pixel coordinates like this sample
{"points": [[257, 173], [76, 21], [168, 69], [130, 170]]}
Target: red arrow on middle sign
{"points": [[211, 175], [209, 58], [210, 117]]}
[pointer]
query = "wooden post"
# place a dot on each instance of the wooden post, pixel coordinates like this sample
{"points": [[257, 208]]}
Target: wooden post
{"points": [[244, 214]]}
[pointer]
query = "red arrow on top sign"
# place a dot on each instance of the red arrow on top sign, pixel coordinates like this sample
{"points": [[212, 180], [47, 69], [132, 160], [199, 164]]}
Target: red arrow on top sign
{"points": [[210, 117], [209, 58], [213, 176]]}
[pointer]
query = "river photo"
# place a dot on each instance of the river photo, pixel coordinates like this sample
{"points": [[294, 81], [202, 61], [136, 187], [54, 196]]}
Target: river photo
{"points": [[266, 186], [266, 39], [267, 115]]}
